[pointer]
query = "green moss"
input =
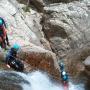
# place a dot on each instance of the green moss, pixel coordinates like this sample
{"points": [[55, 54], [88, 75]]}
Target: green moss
{"points": [[26, 9]]}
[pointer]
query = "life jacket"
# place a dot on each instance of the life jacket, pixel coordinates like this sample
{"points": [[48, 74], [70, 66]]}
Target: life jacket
{"points": [[64, 76]]}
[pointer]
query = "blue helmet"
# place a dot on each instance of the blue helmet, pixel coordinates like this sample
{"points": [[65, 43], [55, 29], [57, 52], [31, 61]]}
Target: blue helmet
{"points": [[16, 46], [1, 22], [61, 66]]}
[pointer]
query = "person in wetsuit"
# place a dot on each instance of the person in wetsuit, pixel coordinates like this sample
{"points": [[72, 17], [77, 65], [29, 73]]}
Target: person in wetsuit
{"points": [[11, 58]]}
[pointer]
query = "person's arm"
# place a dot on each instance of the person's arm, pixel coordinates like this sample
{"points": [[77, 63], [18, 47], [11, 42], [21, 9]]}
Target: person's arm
{"points": [[6, 60]]}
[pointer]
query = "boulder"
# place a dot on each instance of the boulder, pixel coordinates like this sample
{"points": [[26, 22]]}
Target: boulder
{"points": [[23, 28], [87, 65], [39, 58], [87, 61]]}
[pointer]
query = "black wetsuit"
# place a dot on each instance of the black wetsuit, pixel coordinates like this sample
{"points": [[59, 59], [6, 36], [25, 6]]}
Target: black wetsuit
{"points": [[13, 61]]}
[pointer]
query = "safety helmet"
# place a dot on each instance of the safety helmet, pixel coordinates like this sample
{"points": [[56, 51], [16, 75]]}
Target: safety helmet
{"points": [[61, 64], [1, 22], [63, 73], [16, 46]]}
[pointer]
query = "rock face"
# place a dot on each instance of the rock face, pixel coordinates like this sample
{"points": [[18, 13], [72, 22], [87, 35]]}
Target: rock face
{"points": [[25, 29], [11, 81], [18, 21], [58, 1], [87, 65], [76, 62], [22, 27], [87, 61], [38, 58], [66, 26], [39, 4]]}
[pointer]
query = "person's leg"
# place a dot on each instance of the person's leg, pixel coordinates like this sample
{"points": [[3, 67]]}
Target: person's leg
{"points": [[7, 40], [4, 44], [0, 44], [1, 41]]}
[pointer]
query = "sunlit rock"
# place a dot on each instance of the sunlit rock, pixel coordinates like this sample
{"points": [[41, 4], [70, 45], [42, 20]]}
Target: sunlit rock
{"points": [[39, 58]]}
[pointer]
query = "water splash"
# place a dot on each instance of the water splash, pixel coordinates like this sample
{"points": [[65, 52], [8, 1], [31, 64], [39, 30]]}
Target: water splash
{"points": [[40, 81]]}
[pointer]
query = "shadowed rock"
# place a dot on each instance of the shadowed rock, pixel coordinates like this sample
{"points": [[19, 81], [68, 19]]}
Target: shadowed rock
{"points": [[11, 81]]}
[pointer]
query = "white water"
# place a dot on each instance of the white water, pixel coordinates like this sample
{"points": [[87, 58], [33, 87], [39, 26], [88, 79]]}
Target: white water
{"points": [[40, 81]]}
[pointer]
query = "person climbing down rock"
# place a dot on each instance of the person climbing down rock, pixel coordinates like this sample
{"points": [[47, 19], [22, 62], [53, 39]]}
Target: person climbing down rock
{"points": [[3, 35], [11, 59], [61, 66], [64, 76]]}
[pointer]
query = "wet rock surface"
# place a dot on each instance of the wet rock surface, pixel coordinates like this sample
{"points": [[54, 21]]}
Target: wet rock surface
{"points": [[10, 81]]}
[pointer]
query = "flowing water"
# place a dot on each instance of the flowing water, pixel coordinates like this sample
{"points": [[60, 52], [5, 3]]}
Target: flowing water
{"points": [[34, 81]]}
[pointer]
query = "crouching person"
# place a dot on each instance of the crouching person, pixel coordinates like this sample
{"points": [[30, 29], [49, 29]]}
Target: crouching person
{"points": [[11, 59]]}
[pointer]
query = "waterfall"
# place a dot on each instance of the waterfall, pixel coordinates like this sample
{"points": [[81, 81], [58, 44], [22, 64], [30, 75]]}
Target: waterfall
{"points": [[35, 80], [40, 81]]}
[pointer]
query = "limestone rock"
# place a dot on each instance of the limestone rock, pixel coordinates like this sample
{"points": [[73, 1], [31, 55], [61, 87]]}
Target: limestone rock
{"points": [[58, 1], [87, 65], [24, 28], [39, 4], [66, 26], [87, 61], [39, 58], [45, 44], [76, 62], [17, 26]]}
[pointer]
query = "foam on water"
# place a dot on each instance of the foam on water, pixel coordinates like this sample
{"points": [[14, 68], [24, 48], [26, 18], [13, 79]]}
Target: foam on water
{"points": [[40, 81]]}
